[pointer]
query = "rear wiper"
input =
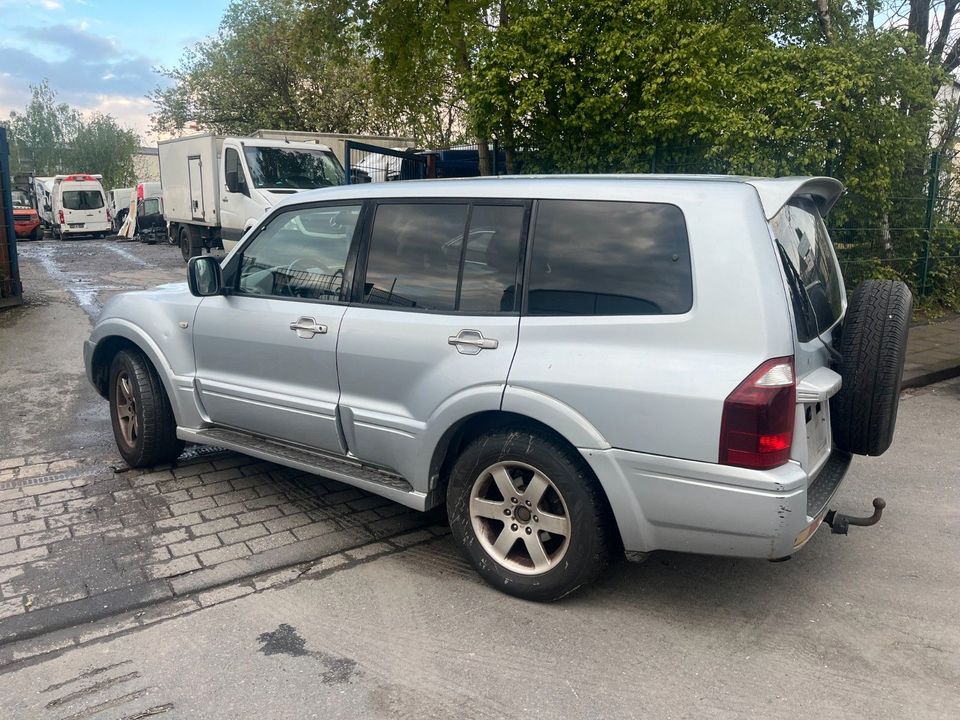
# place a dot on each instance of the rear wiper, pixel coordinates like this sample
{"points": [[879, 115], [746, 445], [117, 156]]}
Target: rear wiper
{"points": [[807, 308]]}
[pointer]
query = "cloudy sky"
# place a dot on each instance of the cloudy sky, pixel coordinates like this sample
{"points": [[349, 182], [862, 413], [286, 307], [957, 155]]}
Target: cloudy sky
{"points": [[98, 55]]}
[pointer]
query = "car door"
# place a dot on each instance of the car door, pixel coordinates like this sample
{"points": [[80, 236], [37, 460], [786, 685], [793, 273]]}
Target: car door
{"points": [[434, 322], [266, 351]]}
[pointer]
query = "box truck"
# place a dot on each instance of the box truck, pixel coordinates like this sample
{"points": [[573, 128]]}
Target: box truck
{"points": [[216, 187]]}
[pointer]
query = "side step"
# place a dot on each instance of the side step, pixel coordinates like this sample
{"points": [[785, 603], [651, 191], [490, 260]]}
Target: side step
{"points": [[336, 468]]}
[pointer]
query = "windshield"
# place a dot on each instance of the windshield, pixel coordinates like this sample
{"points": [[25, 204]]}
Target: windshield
{"points": [[82, 199], [815, 283], [279, 168], [21, 199]]}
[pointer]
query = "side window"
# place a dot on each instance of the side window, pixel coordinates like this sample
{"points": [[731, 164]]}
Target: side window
{"points": [[491, 259], [414, 257], [300, 254], [233, 171], [609, 258]]}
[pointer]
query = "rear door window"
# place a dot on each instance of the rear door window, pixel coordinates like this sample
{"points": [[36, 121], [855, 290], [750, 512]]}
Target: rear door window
{"points": [[418, 258], [813, 277], [609, 258], [82, 199]]}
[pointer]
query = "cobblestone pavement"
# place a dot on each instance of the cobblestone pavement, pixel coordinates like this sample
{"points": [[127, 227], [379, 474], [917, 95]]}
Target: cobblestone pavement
{"points": [[80, 539]]}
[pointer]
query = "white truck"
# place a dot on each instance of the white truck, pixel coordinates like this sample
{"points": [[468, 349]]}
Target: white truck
{"points": [[215, 187]]}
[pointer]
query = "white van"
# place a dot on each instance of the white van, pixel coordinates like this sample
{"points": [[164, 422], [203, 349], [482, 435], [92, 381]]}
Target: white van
{"points": [[79, 206]]}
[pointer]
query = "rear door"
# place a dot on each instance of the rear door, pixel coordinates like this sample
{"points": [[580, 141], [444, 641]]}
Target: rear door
{"points": [[435, 320], [84, 206], [195, 174], [266, 352], [815, 287]]}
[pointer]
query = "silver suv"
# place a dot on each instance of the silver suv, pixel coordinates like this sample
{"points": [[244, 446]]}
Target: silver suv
{"points": [[573, 365]]}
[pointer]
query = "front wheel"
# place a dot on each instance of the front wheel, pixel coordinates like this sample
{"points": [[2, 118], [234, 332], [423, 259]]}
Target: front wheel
{"points": [[143, 422], [529, 515]]}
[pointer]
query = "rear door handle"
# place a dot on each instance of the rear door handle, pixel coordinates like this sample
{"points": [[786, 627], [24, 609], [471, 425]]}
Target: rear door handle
{"points": [[471, 342], [307, 327]]}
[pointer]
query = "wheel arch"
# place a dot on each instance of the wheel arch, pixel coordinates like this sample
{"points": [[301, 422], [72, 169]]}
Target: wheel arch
{"points": [[123, 336], [459, 435]]}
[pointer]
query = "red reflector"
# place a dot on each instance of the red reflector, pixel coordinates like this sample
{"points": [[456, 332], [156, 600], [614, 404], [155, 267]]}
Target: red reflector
{"points": [[756, 430]]}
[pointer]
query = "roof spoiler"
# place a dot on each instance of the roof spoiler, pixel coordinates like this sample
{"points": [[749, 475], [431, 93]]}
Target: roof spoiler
{"points": [[776, 193]]}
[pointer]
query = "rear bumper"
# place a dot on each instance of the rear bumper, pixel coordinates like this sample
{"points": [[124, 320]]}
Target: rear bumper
{"points": [[688, 506]]}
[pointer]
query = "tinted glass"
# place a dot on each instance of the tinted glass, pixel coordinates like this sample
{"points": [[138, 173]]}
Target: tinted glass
{"points": [[20, 199], [300, 254], [491, 260], [609, 258], [82, 199], [412, 261], [277, 168], [813, 277]]}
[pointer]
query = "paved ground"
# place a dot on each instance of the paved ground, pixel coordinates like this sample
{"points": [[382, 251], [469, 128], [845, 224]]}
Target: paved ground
{"points": [[374, 614], [82, 535], [862, 626]]}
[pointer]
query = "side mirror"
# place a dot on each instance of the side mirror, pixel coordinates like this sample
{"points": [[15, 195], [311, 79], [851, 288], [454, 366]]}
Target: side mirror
{"points": [[204, 276]]}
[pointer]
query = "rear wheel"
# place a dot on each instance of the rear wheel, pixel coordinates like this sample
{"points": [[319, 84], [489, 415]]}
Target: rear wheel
{"points": [[188, 243], [873, 345], [528, 514], [143, 422], [36, 233]]}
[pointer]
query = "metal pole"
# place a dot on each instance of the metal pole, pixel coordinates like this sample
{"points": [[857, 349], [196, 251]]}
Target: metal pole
{"points": [[346, 160], [932, 189]]}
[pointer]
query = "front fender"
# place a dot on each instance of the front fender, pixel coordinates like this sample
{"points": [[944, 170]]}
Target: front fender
{"points": [[174, 362]]}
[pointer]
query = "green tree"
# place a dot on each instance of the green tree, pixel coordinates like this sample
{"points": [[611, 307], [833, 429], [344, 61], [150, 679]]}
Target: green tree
{"points": [[267, 67], [42, 133], [50, 137], [102, 146]]}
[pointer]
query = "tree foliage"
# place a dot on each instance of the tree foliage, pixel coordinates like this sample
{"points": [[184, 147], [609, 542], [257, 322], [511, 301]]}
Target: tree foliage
{"points": [[50, 137], [269, 67]]}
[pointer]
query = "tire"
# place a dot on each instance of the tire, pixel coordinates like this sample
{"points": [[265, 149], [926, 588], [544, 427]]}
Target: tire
{"points": [[36, 234], [873, 345], [572, 494], [188, 243], [143, 423]]}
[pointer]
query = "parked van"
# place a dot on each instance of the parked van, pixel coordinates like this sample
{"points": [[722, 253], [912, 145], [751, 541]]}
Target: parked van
{"points": [[79, 207], [118, 203]]}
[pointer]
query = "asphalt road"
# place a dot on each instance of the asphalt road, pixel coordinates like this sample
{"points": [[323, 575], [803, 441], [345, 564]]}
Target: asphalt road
{"points": [[862, 626]]}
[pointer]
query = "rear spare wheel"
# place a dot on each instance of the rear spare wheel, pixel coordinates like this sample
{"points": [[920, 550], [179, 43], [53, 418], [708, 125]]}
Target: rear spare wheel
{"points": [[873, 346]]}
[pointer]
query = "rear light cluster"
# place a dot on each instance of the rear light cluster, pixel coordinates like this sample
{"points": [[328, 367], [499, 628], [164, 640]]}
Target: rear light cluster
{"points": [[62, 219], [758, 417]]}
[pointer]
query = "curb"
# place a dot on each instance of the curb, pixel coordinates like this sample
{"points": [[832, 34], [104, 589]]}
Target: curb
{"points": [[932, 374], [71, 614], [118, 620]]}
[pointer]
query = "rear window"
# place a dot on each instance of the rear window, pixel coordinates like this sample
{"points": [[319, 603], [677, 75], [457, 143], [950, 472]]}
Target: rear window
{"points": [[609, 258], [82, 199], [813, 278]]}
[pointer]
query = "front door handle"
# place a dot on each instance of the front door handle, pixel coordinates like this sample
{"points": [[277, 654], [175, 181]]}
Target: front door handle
{"points": [[307, 327], [471, 342]]}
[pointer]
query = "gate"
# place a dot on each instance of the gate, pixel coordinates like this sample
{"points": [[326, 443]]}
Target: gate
{"points": [[365, 163], [10, 290]]}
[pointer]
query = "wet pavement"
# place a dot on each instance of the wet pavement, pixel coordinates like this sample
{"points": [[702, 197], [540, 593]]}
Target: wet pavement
{"points": [[81, 534]]}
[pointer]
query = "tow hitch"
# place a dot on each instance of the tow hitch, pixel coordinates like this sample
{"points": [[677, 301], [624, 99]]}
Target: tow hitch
{"points": [[840, 523]]}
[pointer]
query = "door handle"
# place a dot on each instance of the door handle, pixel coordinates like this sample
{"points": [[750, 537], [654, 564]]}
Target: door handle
{"points": [[307, 327], [471, 342]]}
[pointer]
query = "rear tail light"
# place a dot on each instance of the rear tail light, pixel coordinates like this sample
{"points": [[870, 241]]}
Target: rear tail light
{"points": [[139, 191], [62, 220], [758, 417]]}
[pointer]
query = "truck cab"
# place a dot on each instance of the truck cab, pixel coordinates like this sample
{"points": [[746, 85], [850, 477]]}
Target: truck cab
{"points": [[258, 174]]}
